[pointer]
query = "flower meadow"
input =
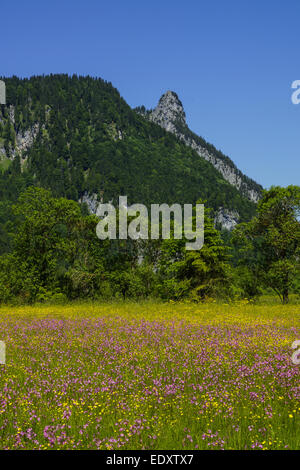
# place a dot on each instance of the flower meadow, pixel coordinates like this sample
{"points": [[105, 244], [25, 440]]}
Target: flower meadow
{"points": [[150, 376]]}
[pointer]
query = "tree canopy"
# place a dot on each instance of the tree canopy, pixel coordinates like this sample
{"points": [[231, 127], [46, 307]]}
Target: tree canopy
{"points": [[270, 242]]}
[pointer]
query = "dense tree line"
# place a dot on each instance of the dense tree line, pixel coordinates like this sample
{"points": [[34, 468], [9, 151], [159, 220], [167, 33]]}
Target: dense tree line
{"points": [[87, 140], [52, 253]]}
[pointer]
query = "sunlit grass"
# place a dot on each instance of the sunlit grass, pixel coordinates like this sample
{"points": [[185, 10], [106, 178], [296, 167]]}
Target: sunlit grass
{"points": [[150, 376]]}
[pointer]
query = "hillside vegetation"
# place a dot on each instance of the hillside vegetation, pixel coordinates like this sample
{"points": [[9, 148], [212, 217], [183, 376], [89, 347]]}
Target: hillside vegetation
{"points": [[86, 139]]}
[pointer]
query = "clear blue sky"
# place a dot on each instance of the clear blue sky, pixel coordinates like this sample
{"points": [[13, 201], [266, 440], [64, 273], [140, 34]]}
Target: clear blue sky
{"points": [[231, 62]]}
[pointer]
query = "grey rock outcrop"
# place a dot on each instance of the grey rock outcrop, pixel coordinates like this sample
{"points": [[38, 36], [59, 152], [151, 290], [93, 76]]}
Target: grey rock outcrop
{"points": [[24, 139], [226, 218], [169, 112], [91, 200]]}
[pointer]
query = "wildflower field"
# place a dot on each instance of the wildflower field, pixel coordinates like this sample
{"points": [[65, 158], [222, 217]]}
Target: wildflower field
{"points": [[150, 376]]}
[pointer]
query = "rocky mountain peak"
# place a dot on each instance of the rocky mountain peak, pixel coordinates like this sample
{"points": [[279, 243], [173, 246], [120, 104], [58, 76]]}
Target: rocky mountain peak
{"points": [[169, 112], [170, 115]]}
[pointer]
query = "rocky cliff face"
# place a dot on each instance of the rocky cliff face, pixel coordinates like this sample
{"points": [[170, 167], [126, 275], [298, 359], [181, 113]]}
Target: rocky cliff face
{"points": [[91, 200], [23, 141], [170, 115], [226, 219]]}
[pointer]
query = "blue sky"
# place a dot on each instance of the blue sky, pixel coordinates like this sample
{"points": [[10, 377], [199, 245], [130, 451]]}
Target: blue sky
{"points": [[231, 62]]}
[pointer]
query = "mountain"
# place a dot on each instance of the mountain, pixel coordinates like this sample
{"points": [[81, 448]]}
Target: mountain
{"points": [[79, 138], [170, 114]]}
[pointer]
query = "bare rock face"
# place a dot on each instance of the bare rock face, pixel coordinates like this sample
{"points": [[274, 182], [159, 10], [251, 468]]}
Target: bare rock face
{"points": [[91, 200], [226, 218], [170, 115], [169, 112], [24, 139]]}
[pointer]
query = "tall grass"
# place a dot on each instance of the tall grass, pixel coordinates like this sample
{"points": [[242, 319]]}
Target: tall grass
{"points": [[150, 376]]}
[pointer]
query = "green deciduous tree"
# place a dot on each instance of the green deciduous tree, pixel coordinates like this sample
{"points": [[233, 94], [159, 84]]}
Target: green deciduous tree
{"points": [[198, 274], [55, 249], [270, 243]]}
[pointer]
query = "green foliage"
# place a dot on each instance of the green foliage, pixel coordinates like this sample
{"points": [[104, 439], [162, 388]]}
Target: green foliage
{"points": [[90, 141], [198, 274], [269, 245], [53, 254], [52, 240]]}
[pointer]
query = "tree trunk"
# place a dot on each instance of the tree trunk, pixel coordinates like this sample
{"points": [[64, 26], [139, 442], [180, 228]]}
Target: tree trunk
{"points": [[285, 296]]}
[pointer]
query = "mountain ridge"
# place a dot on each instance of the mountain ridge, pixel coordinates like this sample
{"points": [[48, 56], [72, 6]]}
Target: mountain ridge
{"points": [[169, 114]]}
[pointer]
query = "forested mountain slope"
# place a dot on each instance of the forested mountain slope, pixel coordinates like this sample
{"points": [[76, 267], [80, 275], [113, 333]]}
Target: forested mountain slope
{"points": [[78, 137]]}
